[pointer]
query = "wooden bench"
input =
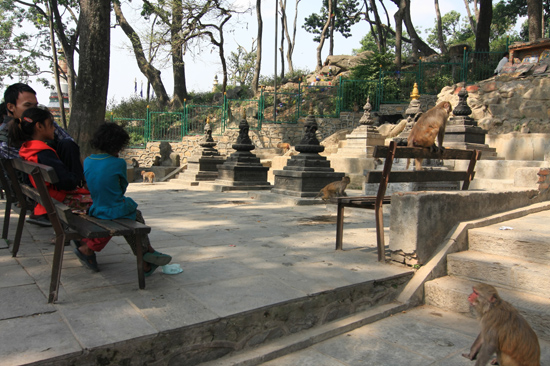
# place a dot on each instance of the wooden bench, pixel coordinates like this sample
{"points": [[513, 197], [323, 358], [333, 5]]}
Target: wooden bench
{"points": [[67, 225], [386, 176]]}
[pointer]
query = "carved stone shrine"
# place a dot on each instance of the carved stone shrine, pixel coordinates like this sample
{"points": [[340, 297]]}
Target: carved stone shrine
{"points": [[203, 165], [242, 170], [306, 173]]}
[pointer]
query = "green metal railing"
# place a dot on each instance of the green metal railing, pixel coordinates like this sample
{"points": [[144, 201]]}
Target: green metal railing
{"points": [[289, 105]]}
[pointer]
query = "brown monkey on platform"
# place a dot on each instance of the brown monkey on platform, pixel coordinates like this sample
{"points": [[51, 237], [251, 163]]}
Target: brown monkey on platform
{"points": [[334, 189], [503, 331], [148, 176], [429, 126]]}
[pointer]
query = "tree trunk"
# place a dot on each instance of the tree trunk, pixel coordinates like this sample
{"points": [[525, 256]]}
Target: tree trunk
{"points": [[417, 43], [148, 70], [380, 36], [534, 13], [56, 68], [484, 25], [399, 32], [90, 97], [282, 47], [332, 24], [470, 18], [178, 65], [291, 42], [68, 45], [322, 38], [257, 67], [440, 40]]}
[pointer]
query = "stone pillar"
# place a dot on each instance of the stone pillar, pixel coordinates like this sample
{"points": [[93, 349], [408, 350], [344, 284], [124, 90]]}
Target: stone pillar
{"points": [[203, 165], [242, 170], [306, 173]]}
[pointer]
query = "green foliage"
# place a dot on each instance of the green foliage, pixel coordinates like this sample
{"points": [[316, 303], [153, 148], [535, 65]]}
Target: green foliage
{"points": [[345, 12], [369, 68], [19, 51], [241, 66], [290, 76], [132, 107]]}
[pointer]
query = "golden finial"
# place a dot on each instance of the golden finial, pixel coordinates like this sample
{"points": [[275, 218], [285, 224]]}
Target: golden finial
{"points": [[415, 94], [243, 112]]}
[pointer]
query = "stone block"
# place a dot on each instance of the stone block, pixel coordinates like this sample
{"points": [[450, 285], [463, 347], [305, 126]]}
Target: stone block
{"points": [[420, 221], [526, 177]]}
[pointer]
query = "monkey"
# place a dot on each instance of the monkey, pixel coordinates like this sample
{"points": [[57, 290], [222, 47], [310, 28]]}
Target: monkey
{"points": [[135, 163], [284, 145], [334, 189], [429, 126], [525, 128], [503, 331], [148, 176]]}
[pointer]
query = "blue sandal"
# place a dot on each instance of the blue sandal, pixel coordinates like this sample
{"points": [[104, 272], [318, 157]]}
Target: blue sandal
{"points": [[89, 261], [157, 258], [150, 272]]}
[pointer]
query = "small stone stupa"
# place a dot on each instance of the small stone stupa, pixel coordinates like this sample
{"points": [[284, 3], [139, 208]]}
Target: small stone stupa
{"points": [[412, 112], [306, 173], [242, 170], [203, 165], [462, 131]]}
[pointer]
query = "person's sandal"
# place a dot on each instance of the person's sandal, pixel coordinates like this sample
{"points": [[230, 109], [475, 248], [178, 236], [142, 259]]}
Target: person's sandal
{"points": [[89, 261], [150, 272], [157, 258]]}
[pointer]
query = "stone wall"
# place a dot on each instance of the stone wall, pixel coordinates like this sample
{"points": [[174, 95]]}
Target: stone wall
{"points": [[267, 138], [521, 146], [503, 104], [420, 221]]}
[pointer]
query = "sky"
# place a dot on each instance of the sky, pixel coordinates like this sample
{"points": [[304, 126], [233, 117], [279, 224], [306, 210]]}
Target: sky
{"points": [[204, 65]]}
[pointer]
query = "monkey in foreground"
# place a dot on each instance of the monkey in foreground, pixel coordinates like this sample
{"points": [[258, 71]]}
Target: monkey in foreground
{"points": [[148, 176], [503, 331], [429, 126], [334, 189]]}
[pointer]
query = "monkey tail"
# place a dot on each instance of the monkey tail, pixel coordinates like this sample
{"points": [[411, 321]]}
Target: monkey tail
{"points": [[408, 163]]}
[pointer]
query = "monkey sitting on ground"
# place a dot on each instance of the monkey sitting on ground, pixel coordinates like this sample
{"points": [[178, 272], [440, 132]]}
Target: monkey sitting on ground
{"points": [[284, 145], [503, 331], [334, 189], [148, 176], [135, 163], [429, 126]]}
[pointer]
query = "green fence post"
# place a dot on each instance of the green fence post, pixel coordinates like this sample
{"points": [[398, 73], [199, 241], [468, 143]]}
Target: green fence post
{"points": [[184, 125], [380, 85], [147, 129], [419, 76], [465, 66]]}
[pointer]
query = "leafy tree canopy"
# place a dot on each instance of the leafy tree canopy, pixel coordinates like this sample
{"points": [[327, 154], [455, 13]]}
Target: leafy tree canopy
{"points": [[346, 14]]}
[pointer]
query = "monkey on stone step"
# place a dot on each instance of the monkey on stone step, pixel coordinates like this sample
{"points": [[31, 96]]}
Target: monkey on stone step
{"points": [[148, 176], [503, 331], [429, 126], [334, 189]]}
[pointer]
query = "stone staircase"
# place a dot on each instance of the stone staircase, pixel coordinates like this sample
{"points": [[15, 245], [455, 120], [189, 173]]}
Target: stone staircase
{"points": [[515, 260]]}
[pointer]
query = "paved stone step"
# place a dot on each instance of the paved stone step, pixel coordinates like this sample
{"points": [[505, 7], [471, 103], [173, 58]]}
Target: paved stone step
{"points": [[524, 239], [502, 169], [491, 184], [506, 271], [451, 293], [307, 338]]}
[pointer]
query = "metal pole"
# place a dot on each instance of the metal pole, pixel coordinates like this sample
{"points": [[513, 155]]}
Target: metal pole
{"points": [[275, 72]]}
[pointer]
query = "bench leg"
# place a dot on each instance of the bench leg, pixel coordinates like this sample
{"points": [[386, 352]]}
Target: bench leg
{"points": [[19, 231], [56, 268], [339, 226], [7, 213], [139, 256], [380, 234]]}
